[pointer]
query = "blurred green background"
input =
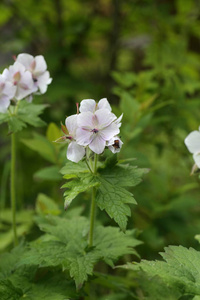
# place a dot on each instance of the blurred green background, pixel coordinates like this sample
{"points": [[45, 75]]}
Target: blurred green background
{"points": [[143, 55]]}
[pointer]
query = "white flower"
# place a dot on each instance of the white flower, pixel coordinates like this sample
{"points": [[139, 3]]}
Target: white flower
{"points": [[91, 105], [38, 68], [115, 144], [192, 141], [95, 129], [7, 92], [21, 78], [75, 152]]}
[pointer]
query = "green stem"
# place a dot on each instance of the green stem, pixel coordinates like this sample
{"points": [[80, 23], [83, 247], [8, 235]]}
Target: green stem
{"points": [[12, 187], [93, 204]]}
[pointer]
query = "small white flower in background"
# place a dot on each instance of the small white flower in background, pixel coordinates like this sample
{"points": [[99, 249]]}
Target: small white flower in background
{"points": [[91, 105], [95, 129], [7, 92], [115, 144], [21, 79], [192, 142], [38, 68]]}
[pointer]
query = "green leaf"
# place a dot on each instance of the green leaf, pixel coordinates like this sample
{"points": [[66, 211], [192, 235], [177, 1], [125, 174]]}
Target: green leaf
{"points": [[53, 132], [9, 292], [111, 194], [4, 117], [114, 200], [29, 113], [72, 169], [41, 145], [181, 268], [15, 124], [48, 173], [46, 205], [112, 243], [81, 183]]}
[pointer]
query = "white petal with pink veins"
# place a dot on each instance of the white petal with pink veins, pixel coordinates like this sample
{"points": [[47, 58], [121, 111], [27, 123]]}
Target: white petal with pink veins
{"points": [[103, 103], [104, 117], [110, 131], [75, 152], [85, 120], [71, 124], [87, 105], [40, 66], [25, 59], [4, 103], [192, 141], [84, 137], [98, 144], [42, 81]]}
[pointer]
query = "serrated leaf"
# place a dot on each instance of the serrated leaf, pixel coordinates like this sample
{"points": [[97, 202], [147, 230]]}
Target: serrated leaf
{"points": [[112, 243], [29, 113], [80, 184], [4, 117], [181, 268], [81, 266], [114, 200], [15, 124], [9, 292]]}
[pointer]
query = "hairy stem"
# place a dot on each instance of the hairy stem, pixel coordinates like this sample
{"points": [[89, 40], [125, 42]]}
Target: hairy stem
{"points": [[12, 187], [93, 204]]}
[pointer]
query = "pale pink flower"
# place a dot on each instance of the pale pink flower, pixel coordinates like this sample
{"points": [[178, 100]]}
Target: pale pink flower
{"points": [[95, 129], [7, 92], [75, 152], [92, 105], [21, 79], [38, 68]]}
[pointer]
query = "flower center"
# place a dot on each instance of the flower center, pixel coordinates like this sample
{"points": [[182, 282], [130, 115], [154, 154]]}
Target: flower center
{"points": [[95, 130]]}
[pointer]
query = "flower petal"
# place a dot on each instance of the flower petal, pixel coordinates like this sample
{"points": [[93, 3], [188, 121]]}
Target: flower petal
{"points": [[71, 124], [98, 144], [40, 65], [42, 81], [25, 59], [192, 141], [104, 117], [4, 103], [85, 120], [109, 132], [75, 152], [87, 105], [103, 103], [83, 136]]}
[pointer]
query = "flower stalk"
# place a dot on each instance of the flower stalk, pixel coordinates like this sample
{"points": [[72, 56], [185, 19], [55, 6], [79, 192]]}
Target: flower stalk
{"points": [[12, 187], [93, 204]]}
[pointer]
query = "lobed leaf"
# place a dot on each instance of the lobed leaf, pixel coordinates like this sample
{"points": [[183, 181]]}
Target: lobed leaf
{"points": [[181, 268]]}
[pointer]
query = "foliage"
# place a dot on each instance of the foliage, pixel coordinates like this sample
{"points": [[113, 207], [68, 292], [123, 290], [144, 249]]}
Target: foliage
{"points": [[110, 180], [144, 56]]}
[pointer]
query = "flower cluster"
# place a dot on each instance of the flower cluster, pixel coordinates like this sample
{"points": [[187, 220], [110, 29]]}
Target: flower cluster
{"points": [[192, 142], [27, 76], [94, 127]]}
